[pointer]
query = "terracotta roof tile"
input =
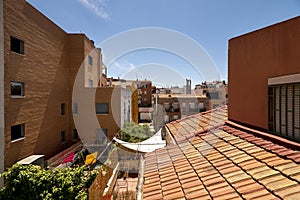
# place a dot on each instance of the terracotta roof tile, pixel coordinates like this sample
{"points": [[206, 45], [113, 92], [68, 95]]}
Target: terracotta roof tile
{"points": [[293, 191], [217, 159], [261, 193]]}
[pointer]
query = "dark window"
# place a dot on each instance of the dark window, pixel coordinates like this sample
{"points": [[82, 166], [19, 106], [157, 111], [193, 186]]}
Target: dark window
{"points": [[75, 134], [63, 137], [62, 109], [213, 95], [101, 136], [90, 83], [284, 110], [101, 108], [16, 45], [90, 60], [17, 132], [17, 88], [193, 107], [75, 108]]}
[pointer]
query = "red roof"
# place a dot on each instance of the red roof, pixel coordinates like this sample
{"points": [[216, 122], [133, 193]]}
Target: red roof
{"points": [[218, 160]]}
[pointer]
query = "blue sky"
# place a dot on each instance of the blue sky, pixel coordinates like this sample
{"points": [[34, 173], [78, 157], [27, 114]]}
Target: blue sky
{"points": [[211, 23]]}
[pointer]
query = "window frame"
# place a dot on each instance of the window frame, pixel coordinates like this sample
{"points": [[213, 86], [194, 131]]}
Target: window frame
{"points": [[22, 84], [90, 83], [75, 135], [90, 60], [74, 108], [102, 112], [278, 106], [63, 137], [21, 44], [62, 109], [22, 134], [104, 132]]}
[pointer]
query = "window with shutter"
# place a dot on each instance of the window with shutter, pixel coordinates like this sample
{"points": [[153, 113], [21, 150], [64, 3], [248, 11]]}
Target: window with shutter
{"points": [[297, 112], [289, 116], [277, 107], [284, 109]]}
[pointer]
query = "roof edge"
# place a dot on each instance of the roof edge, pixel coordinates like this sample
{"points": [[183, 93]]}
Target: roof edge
{"points": [[265, 27], [267, 136]]}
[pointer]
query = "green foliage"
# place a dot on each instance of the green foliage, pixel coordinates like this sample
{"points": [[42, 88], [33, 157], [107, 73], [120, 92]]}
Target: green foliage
{"points": [[34, 183], [135, 133]]}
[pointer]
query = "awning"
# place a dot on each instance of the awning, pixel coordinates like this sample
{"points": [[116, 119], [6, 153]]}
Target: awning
{"points": [[149, 145]]}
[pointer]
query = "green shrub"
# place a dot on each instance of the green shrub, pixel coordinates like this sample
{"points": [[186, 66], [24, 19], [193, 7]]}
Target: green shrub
{"points": [[34, 183], [135, 133]]}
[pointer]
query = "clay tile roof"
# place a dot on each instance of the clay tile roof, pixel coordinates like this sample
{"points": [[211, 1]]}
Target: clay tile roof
{"points": [[217, 159]]}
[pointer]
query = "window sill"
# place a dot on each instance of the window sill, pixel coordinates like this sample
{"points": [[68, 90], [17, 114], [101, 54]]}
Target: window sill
{"points": [[16, 53], [17, 140], [102, 113], [17, 97]]}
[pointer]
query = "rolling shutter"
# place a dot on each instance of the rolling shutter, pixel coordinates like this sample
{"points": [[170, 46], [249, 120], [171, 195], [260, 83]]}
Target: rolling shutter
{"points": [[277, 109], [296, 112], [289, 123]]}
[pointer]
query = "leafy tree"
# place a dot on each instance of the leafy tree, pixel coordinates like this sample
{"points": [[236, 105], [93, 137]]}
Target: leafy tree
{"points": [[31, 182], [135, 133]]}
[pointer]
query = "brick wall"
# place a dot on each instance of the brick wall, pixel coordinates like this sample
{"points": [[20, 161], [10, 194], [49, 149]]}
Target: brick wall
{"points": [[48, 68]]}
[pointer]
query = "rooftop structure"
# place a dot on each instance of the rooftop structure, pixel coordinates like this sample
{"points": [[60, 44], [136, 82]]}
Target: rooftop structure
{"points": [[169, 107], [263, 78]]}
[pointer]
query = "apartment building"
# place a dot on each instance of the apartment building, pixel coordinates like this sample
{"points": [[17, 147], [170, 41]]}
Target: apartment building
{"points": [[266, 64], [216, 91], [170, 107], [132, 89], [144, 93], [39, 63]]}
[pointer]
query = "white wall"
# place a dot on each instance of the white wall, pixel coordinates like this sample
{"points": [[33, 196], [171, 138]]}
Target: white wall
{"points": [[1, 92], [126, 112]]}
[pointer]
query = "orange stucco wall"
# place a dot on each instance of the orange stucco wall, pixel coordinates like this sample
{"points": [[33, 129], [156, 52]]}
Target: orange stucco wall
{"points": [[252, 59]]}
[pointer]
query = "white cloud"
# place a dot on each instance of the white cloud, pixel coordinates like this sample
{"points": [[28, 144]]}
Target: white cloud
{"points": [[124, 66], [97, 7], [131, 66]]}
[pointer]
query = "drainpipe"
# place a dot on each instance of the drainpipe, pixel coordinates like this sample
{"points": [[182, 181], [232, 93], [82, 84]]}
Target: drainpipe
{"points": [[140, 183]]}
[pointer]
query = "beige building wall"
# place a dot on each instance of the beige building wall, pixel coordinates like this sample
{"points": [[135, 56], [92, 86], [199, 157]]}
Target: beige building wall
{"points": [[80, 48], [92, 64], [253, 59], [119, 108]]}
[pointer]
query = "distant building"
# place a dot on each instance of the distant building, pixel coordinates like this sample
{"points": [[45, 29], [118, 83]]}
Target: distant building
{"points": [[186, 89], [144, 93], [170, 107], [216, 91], [131, 87], [266, 64]]}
